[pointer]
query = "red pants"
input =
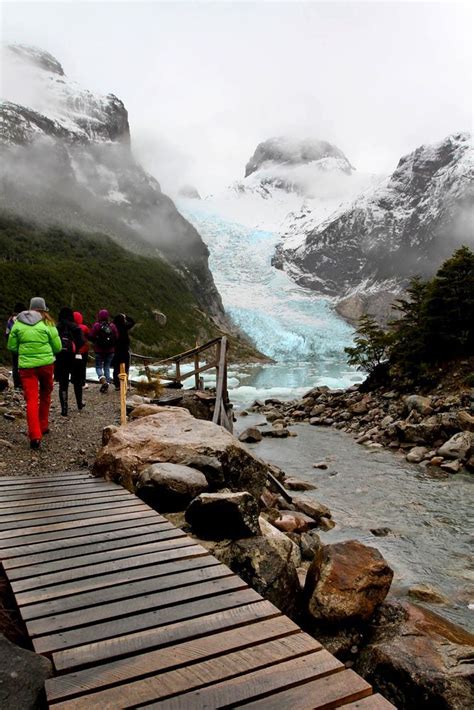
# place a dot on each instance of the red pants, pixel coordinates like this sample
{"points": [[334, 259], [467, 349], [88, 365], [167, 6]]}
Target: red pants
{"points": [[37, 387]]}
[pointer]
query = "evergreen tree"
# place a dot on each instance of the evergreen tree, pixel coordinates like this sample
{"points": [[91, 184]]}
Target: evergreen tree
{"points": [[372, 346], [449, 308]]}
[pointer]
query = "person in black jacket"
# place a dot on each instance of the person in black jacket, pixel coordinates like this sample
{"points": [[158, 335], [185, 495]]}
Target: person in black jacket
{"points": [[67, 367], [123, 324]]}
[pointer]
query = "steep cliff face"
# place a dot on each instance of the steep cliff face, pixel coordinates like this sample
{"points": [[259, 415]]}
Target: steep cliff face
{"points": [[67, 160], [407, 225]]}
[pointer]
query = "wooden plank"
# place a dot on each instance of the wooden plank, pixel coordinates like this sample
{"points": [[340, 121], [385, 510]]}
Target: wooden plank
{"points": [[72, 522], [218, 669], [252, 685], [92, 526], [130, 537], [137, 548], [216, 577], [81, 489], [13, 521], [49, 582], [5, 481], [66, 484], [121, 576], [124, 588], [373, 702], [59, 502], [100, 535], [153, 662], [134, 643], [321, 694], [209, 597]]}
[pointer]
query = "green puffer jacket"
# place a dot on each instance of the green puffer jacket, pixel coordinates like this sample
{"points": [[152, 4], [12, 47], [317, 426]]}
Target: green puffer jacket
{"points": [[35, 341]]}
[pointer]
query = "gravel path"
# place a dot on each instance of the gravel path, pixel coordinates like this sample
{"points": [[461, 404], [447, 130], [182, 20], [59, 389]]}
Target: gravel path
{"points": [[73, 441]]}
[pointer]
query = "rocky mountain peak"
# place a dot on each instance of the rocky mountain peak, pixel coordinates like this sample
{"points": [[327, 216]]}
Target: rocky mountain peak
{"points": [[49, 103], [38, 57], [287, 151]]}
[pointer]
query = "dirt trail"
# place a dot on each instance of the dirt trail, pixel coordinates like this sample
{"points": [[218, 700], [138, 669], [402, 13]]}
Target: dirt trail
{"points": [[72, 442]]}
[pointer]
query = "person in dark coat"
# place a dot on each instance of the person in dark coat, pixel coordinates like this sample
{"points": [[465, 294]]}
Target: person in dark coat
{"points": [[19, 307], [124, 324], [68, 366], [103, 335]]}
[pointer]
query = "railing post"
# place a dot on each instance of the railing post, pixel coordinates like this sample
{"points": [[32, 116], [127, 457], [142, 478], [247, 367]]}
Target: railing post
{"points": [[178, 371], [196, 368]]}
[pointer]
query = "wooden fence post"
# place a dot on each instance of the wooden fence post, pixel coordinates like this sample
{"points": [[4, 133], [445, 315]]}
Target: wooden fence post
{"points": [[123, 394]]}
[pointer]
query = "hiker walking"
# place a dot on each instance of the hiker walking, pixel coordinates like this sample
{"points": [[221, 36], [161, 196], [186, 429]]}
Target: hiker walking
{"points": [[84, 351], [103, 336], [124, 324], [66, 370], [19, 307], [36, 340]]}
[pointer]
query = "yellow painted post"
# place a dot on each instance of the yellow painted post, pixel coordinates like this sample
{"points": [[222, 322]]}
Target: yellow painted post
{"points": [[123, 394]]}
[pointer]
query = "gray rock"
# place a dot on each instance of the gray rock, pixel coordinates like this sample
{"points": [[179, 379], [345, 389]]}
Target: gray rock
{"points": [[169, 487], [419, 404], [264, 567], [220, 516], [310, 544], [458, 446], [311, 507], [251, 436], [295, 484], [22, 677], [417, 454], [278, 433]]}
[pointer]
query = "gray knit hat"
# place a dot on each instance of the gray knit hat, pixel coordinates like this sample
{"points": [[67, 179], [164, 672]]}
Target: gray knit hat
{"points": [[38, 304]]}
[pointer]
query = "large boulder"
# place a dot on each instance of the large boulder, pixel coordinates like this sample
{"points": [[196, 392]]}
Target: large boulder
{"points": [[169, 487], [220, 516], [265, 567], [252, 435], [22, 676], [417, 403], [458, 446], [346, 581], [173, 435], [417, 659]]}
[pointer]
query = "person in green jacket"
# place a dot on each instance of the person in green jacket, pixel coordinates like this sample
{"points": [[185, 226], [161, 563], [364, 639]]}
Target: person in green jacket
{"points": [[35, 338]]}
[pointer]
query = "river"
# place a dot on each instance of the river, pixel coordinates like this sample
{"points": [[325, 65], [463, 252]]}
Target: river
{"points": [[429, 518]]}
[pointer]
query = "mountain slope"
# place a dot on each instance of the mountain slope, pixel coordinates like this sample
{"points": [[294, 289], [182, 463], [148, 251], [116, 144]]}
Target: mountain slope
{"points": [[407, 225], [90, 271], [66, 160]]}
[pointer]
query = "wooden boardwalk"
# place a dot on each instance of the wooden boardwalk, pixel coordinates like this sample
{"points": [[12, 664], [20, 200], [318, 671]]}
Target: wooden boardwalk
{"points": [[133, 613]]}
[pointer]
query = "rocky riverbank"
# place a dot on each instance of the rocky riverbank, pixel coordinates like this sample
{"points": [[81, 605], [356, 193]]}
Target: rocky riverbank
{"points": [[255, 520], [435, 430]]}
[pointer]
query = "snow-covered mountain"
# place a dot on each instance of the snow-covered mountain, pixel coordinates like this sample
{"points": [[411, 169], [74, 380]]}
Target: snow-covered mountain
{"points": [[285, 178], [67, 160], [408, 224]]}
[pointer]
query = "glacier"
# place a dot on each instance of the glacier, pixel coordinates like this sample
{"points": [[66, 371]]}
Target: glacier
{"points": [[296, 328]]}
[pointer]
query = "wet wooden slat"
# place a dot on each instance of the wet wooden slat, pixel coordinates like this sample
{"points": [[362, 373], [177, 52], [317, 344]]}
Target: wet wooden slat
{"points": [[256, 684], [169, 657], [170, 575], [35, 518], [134, 643], [143, 603], [60, 502], [129, 537], [208, 597], [170, 541], [199, 674]]}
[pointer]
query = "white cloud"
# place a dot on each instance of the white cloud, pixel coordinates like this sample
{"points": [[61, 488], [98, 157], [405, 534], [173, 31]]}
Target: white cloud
{"points": [[205, 82]]}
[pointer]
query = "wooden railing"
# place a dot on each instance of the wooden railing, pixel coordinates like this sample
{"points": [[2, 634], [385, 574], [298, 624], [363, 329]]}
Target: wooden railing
{"points": [[216, 358]]}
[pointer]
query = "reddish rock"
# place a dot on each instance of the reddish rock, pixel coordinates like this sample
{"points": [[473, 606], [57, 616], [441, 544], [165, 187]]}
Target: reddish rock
{"points": [[346, 581], [289, 522], [418, 659]]}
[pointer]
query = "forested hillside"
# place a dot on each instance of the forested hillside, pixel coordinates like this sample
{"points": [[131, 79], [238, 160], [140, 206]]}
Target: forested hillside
{"points": [[88, 272]]}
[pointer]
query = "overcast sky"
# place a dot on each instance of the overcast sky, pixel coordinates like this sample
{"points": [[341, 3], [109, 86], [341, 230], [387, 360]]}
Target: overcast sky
{"points": [[205, 82]]}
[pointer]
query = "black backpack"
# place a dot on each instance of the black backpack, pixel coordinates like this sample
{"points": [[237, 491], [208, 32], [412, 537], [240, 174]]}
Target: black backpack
{"points": [[105, 337], [67, 341]]}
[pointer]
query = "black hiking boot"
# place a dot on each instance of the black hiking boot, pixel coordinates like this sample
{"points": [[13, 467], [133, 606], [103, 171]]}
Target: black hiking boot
{"points": [[35, 444], [63, 401]]}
